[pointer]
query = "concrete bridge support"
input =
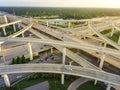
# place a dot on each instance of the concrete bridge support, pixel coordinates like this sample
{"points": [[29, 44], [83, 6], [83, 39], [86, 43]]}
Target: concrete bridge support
{"points": [[5, 17], [14, 27], [51, 50], [47, 23], [113, 29], [4, 31], [30, 51], [0, 48], [112, 32], [108, 87], [6, 80], [102, 57], [119, 41], [63, 62], [23, 35], [102, 61], [69, 24], [19, 25]]}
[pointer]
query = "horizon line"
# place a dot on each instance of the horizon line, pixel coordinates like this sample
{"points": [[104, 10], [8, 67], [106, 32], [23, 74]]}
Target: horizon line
{"points": [[63, 7]]}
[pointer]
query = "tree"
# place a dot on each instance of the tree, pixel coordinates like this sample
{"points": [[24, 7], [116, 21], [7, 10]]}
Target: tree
{"points": [[14, 61], [26, 60], [23, 59], [18, 59]]}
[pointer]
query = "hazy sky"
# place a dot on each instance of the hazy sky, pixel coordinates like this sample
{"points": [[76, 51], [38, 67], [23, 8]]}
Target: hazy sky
{"points": [[62, 3]]}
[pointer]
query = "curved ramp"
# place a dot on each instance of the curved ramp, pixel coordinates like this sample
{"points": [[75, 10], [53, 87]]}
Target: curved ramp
{"points": [[11, 23], [60, 68], [74, 85], [104, 37]]}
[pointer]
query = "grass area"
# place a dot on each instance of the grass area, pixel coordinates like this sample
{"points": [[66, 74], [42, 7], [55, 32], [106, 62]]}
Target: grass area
{"points": [[90, 86], [9, 30], [26, 83], [55, 82], [56, 85], [115, 37], [103, 32], [53, 79], [106, 31]]}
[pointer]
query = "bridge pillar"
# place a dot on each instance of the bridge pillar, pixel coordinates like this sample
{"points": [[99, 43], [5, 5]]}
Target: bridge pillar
{"points": [[6, 80], [63, 62], [62, 78], [112, 32], [51, 50], [4, 31], [23, 35], [47, 23], [103, 57], [19, 25], [108, 87], [0, 48], [102, 61], [30, 51], [84, 37], [64, 56], [119, 41], [5, 17], [69, 24], [95, 82], [70, 64], [14, 27], [105, 44]]}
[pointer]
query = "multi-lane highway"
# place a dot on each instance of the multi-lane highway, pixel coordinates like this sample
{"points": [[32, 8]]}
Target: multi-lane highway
{"points": [[66, 69]]}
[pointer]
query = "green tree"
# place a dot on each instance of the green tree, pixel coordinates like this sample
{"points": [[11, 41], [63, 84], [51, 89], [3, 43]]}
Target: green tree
{"points": [[23, 59], [18, 59], [14, 61], [26, 60]]}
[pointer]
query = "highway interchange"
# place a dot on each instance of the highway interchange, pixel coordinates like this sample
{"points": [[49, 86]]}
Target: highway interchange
{"points": [[71, 42]]}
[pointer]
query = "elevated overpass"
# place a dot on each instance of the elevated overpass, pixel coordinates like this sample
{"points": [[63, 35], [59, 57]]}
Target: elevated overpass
{"points": [[66, 69], [11, 23], [63, 43]]}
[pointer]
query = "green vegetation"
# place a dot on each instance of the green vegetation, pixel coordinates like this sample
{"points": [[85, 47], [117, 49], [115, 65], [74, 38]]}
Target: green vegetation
{"points": [[115, 37], [36, 56], [90, 86], [9, 88], [53, 79], [106, 31], [20, 60], [103, 32], [65, 13], [9, 30]]}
